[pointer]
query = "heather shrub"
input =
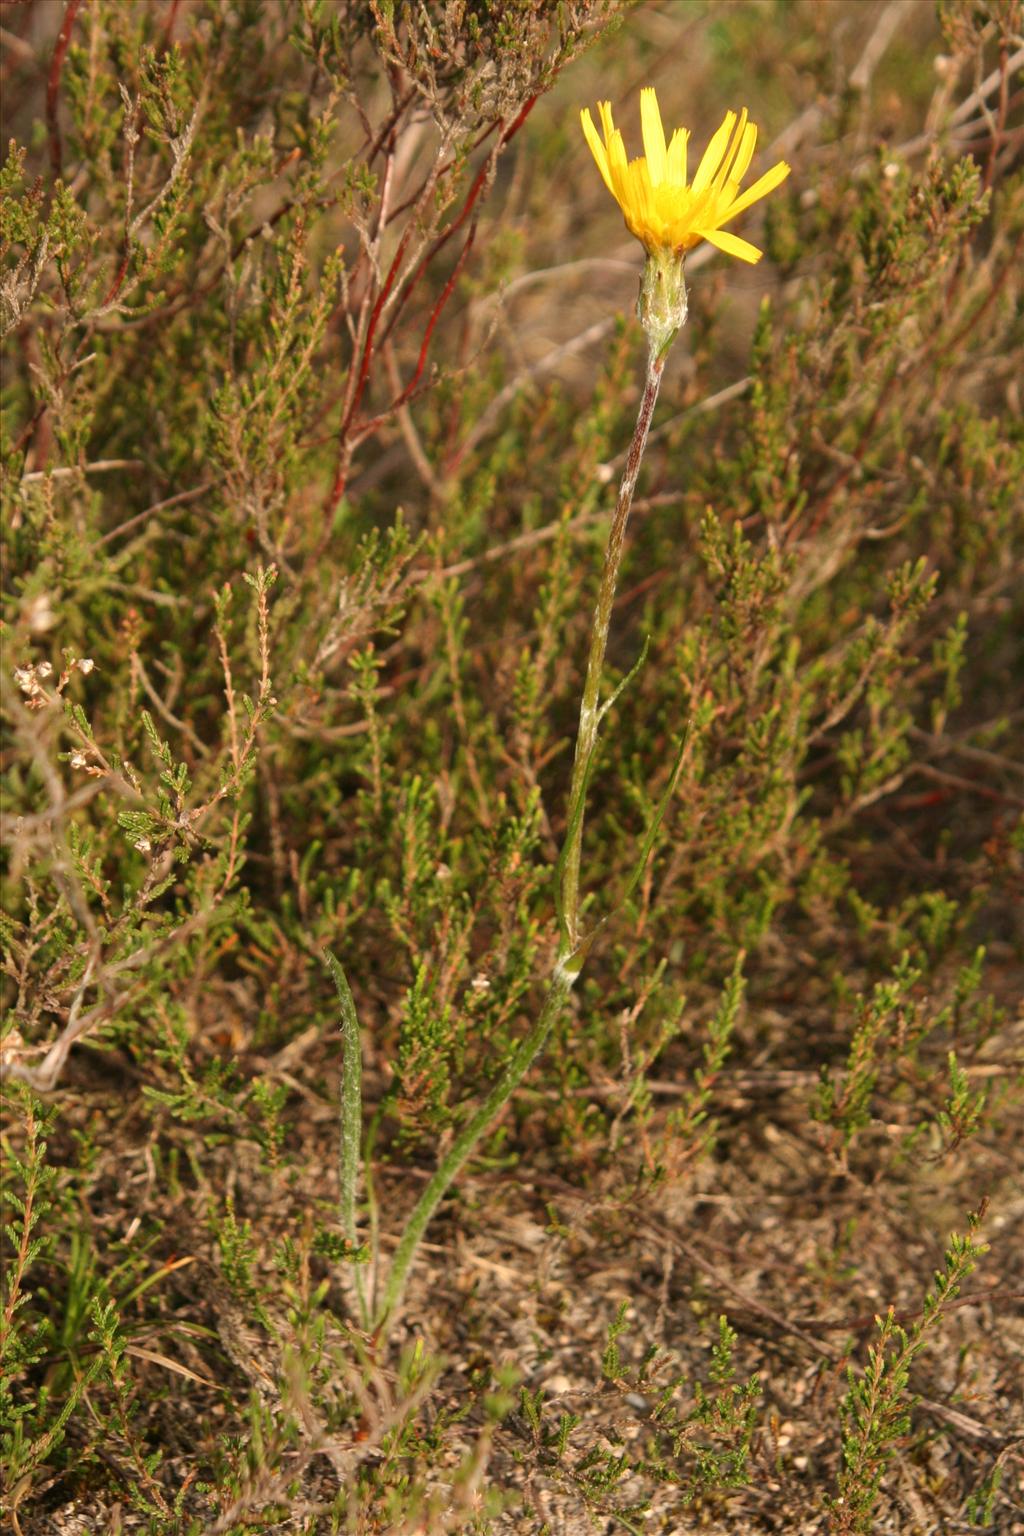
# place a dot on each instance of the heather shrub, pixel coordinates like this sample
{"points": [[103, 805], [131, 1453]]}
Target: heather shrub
{"points": [[320, 374]]}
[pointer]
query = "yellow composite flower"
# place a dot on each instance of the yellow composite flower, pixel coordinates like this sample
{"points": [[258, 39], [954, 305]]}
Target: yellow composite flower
{"points": [[664, 211]]}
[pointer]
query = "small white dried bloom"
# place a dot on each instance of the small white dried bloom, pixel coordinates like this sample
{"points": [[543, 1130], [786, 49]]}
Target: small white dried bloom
{"points": [[26, 680], [13, 1048], [39, 614], [86, 665], [43, 669], [79, 759], [143, 845]]}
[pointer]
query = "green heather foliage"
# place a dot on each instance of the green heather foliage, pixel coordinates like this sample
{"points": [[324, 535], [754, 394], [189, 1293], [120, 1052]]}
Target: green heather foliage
{"points": [[320, 371]]}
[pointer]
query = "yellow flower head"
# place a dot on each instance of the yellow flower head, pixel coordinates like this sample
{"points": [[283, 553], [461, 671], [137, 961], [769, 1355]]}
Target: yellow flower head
{"points": [[659, 207]]}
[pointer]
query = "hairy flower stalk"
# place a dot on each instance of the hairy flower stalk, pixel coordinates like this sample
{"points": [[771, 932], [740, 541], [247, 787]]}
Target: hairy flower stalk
{"points": [[590, 707], [669, 216]]}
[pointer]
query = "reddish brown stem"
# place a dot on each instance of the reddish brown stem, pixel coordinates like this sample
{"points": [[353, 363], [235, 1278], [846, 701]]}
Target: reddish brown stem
{"points": [[414, 197], [406, 394], [371, 333], [172, 16], [479, 181], [446, 294], [60, 49], [115, 287], [340, 473], [997, 137]]}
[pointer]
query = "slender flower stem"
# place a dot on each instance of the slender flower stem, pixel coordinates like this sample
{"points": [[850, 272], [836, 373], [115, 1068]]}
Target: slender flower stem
{"points": [[590, 709], [662, 311], [451, 1165]]}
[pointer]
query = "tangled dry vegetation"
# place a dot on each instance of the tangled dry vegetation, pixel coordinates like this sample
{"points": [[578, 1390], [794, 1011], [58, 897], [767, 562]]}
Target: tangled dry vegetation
{"points": [[320, 371]]}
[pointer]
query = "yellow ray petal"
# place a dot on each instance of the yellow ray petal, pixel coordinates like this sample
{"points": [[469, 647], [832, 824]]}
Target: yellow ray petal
{"points": [[637, 201], [653, 135], [675, 166], [597, 149], [604, 112], [741, 164], [618, 166], [713, 154], [731, 244], [765, 184], [659, 208], [725, 169]]}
